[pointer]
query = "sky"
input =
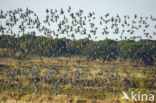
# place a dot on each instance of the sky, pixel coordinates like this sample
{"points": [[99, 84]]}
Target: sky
{"points": [[141, 7], [100, 7]]}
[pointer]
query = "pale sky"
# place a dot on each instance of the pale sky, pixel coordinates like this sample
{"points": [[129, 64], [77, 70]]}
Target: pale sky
{"points": [[141, 7], [100, 7]]}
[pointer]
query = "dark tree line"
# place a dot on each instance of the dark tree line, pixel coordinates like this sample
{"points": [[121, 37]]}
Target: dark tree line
{"points": [[143, 51]]}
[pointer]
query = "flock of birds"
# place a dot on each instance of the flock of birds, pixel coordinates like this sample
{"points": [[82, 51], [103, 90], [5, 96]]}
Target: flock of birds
{"points": [[36, 79], [61, 23], [74, 25]]}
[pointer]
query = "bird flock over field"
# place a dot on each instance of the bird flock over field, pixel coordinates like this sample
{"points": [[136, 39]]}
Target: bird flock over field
{"points": [[67, 23], [76, 24], [38, 80]]}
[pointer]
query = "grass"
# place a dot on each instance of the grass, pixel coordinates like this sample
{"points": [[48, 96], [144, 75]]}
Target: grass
{"points": [[67, 94]]}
